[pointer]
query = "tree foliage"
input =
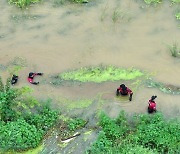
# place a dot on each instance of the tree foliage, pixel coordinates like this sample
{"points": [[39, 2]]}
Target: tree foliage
{"points": [[21, 129]]}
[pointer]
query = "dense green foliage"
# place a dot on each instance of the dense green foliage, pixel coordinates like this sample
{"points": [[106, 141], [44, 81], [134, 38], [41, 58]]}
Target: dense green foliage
{"points": [[22, 127], [44, 120], [19, 135], [142, 134], [75, 123], [23, 3]]}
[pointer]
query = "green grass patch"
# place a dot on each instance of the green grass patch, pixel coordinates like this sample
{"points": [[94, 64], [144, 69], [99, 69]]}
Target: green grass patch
{"points": [[148, 134], [100, 74], [23, 3]]}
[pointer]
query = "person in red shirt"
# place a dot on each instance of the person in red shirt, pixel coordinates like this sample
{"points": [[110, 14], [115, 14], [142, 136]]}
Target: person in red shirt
{"points": [[31, 77], [152, 105], [123, 90]]}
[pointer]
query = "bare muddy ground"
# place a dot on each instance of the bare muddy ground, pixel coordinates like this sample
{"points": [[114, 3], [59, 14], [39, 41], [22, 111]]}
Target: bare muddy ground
{"points": [[121, 33]]}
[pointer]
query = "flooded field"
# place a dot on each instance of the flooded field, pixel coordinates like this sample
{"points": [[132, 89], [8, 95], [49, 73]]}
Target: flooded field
{"points": [[54, 37]]}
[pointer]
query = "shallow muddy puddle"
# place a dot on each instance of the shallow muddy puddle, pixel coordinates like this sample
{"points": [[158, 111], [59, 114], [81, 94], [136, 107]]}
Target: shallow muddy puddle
{"points": [[53, 39]]}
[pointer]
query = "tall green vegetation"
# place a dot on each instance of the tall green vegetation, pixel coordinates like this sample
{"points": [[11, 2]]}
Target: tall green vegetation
{"points": [[20, 128], [23, 3], [140, 134]]}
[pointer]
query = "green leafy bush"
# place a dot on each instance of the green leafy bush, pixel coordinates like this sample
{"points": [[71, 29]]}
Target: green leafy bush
{"points": [[19, 135], [7, 102], [19, 129], [157, 133], [149, 134], [75, 123], [44, 120]]}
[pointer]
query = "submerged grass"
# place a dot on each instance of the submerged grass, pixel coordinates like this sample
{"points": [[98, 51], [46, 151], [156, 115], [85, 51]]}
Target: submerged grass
{"points": [[58, 3], [152, 1], [76, 104], [100, 74], [169, 89], [175, 52]]}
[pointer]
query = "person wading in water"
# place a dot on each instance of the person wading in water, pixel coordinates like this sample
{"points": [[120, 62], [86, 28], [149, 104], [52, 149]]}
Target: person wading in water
{"points": [[123, 90], [31, 77], [152, 105]]}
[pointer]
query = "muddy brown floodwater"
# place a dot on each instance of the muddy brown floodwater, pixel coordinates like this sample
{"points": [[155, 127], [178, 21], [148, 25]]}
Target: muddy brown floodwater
{"points": [[122, 33]]}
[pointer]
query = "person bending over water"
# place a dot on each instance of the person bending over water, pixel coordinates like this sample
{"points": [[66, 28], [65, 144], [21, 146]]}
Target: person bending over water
{"points": [[31, 77], [123, 90]]}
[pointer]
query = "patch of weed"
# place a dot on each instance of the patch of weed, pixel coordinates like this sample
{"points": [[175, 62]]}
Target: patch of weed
{"points": [[23, 3], [152, 1], [175, 52], [120, 15], [24, 17], [100, 74], [169, 89], [75, 123], [177, 15]]}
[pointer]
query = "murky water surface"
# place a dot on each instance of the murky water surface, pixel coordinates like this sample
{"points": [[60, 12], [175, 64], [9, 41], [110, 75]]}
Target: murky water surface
{"points": [[122, 33]]}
